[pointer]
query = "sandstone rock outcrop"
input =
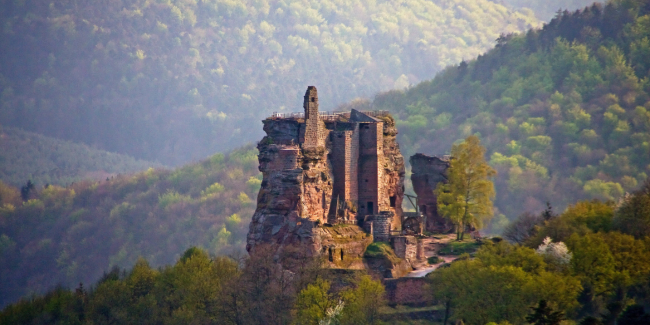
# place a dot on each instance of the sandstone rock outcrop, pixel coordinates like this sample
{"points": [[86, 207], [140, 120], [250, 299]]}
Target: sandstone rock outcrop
{"points": [[322, 175], [427, 172]]}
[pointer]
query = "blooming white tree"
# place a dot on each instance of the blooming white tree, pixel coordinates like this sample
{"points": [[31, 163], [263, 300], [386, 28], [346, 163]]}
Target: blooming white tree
{"points": [[556, 254], [332, 315]]}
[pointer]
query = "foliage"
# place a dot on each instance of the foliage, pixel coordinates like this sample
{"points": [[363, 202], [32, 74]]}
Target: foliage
{"points": [[634, 315], [200, 289], [44, 160], [68, 235], [633, 216], [363, 302], [562, 111], [556, 254], [522, 228], [467, 197], [544, 315], [503, 292], [581, 218], [175, 81], [460, 247], [314, 302]]}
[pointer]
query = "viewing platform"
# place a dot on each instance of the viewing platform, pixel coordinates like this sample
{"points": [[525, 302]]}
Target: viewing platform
{"points": [[326, 116]]}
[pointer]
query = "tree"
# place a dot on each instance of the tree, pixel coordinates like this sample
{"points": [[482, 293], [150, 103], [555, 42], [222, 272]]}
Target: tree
{"points": [[633, 217], [467, 197], [634, 315], [26, 190], [363, 302], [313, 303], [522, 228], [544, 315]]}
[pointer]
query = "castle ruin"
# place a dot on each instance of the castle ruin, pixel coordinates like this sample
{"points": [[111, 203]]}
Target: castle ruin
{"points": [[333, 182]]}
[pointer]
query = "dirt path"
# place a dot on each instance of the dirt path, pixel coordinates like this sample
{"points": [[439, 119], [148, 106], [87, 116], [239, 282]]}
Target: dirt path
{"points": [[431, 247]]}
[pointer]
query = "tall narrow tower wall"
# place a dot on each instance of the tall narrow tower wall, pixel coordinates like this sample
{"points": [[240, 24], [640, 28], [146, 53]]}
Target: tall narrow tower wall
{"points": [[345, 159], [312, 133], [371, 154]]}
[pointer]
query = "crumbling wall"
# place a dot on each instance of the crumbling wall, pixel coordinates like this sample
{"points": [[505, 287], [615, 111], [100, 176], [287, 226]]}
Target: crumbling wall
{"points": [[311, 133], [379, 225], [405, 247], [408, 291], [427, 172]]}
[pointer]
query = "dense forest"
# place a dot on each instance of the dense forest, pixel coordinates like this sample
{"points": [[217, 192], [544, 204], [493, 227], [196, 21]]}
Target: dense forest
{"points": [[564, 111], [175, 81], [43, 160], [588, 265], [66, 235]]}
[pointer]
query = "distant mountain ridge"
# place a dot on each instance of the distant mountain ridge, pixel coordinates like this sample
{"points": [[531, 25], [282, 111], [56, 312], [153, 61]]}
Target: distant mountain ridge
{"points": [[43, 160], [175, 81]]}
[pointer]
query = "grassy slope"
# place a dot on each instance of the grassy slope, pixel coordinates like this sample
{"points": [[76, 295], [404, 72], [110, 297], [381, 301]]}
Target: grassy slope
{"points": [[43, 160]]}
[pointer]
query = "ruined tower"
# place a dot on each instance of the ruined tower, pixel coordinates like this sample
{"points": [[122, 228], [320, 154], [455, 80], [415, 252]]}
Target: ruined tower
{"points": [[311, 134], [427, 172]]}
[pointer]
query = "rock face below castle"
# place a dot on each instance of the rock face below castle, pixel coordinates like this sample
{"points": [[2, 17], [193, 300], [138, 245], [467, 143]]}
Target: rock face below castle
{"points": [[323, 175]]}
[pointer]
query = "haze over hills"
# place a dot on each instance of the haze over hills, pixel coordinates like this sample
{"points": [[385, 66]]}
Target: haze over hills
{"points": [[43, 160], [75, 234], [563, 112], [546, 10], [173, 81]]}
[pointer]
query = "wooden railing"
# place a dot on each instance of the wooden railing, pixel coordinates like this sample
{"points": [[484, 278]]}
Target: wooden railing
{"points": [[326, 116]]}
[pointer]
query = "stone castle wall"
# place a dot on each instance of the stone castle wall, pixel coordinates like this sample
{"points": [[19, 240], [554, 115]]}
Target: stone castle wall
{"points": [[427, 173], [370, 169], [312, 132], [405, 247]]}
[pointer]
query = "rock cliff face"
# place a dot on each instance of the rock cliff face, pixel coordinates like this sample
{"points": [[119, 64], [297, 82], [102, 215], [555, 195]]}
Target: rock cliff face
{"points": [[297, 204], [427, 172], [294, 197]]}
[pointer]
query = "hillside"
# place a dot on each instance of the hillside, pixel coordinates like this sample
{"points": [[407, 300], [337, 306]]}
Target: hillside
{"points": [[546, 10], [43, 160], [176, 80], [563, 111], [75, 234]]}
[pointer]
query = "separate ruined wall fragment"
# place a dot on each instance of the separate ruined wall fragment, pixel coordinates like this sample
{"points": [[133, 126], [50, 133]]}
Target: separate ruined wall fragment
{"points": [[427, 172]]}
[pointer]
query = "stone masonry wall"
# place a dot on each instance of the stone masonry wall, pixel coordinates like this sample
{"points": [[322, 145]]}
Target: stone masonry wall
{"points": [[312, 134], [370, 156], [405, 247], [428, 171], [408, 291]]}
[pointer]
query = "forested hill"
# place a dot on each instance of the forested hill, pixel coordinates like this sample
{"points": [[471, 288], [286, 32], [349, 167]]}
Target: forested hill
{"points": [[564, 111], [75, 234], [546, 10], [178, 80], [43, 160]]}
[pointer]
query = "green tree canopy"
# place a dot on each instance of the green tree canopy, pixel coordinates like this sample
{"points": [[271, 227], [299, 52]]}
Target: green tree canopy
{"points": [[466, 199]]}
